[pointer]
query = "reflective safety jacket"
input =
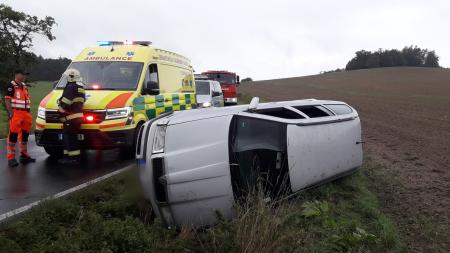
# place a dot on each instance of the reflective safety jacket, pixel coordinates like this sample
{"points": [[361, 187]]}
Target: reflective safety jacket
{"points": [[70, 104], [19, 96]]}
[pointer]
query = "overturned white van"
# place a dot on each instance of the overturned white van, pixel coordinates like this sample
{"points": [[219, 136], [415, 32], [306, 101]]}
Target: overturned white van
{"points": [[197, 162]]}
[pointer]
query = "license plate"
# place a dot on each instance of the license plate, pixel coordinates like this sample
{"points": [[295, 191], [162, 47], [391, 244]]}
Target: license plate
{"points": [[80, 137]]}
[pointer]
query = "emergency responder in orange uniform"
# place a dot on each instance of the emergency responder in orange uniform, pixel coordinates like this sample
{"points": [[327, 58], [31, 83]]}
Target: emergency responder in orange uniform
{"points": [[18, 103], [71, 108]]}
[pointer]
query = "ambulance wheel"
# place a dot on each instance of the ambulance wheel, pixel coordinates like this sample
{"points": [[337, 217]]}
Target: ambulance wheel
{"points": [[54, 151]]}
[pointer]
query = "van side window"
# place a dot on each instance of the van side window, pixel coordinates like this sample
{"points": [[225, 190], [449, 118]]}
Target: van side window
{"points": [[218, 88], [151, 81], [153, 74], [340, 109], [280, 112], [314, 111]]}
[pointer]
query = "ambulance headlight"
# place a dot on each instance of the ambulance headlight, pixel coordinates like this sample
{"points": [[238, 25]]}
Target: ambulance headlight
{"points": [[41, 112], [160, 139], [118, 113]]}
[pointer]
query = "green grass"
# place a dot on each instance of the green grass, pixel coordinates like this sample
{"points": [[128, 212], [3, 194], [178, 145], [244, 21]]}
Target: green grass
{"points": [[39, 90], [112, 216]]}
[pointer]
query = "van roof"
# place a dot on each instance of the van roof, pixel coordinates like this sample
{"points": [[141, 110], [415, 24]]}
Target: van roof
{"points": [[189, 115], [133, 53]]}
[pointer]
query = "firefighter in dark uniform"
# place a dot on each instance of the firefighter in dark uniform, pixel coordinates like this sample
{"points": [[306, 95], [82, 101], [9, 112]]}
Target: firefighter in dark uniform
{"points": [[71, 109]]}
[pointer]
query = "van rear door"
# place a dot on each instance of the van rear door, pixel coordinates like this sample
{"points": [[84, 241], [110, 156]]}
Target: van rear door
{"points": [[320, 151]]}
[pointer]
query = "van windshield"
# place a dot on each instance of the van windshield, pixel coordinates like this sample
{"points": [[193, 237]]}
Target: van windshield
{"points": [[202, 87], [107, 75]]}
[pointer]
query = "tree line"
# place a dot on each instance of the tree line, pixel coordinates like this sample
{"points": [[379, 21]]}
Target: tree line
{"points": [[408, 56], [46, 69], [17, 30]]}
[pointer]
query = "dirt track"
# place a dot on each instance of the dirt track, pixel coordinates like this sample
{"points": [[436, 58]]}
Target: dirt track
{"points": [[405, 114]]}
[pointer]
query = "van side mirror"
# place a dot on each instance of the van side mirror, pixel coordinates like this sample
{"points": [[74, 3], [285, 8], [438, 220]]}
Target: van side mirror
{"points": [[238, 81], [253, 104], [151, 88], [215, 94]]}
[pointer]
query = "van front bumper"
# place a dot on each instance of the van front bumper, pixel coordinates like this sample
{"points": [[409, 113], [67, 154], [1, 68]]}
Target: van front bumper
{"points": [[92, 139]]}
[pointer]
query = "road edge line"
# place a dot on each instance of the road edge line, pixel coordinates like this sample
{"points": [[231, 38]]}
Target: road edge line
{"points": [[27, 207]]}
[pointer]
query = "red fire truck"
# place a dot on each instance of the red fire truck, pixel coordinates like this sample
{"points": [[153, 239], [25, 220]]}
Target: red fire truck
{"points": [[228, 81]]}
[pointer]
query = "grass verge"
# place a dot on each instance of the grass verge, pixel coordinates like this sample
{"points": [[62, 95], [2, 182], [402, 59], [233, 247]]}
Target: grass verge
{"points": [[342, 216], [38, 91]]}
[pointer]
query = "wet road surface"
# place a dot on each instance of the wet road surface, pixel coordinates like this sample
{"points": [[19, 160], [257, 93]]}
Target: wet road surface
{"points": [[29, 183]]}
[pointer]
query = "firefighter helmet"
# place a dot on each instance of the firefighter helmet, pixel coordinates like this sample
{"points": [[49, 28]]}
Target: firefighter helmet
{"points": [[73, 75]]}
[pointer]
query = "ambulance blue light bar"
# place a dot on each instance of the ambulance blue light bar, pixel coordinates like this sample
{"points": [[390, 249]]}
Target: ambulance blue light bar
{"points": [[104, 43]]}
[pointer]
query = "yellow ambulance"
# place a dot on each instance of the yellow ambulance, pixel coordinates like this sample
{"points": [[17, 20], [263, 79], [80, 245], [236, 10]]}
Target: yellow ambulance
{"points": [[127, 83]]}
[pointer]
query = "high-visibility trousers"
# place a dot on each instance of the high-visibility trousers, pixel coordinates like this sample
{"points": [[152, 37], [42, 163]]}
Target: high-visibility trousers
{"points": [[19, 130], [71, 129]]}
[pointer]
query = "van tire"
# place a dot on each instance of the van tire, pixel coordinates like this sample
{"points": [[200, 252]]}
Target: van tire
{"points": [[54, 152], [129, 152]]}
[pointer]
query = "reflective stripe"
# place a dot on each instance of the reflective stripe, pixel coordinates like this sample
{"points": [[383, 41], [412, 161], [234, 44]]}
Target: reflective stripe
{"points": [[66, 101], [11, 151], [81, 90], [78, 99], [13, 105], [73, 153], [20, 101], [74, 116], [66, 151]]}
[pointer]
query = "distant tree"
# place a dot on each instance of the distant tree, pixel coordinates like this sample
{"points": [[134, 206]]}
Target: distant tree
{"points": [[332, 71], [414, 56], [397, 57], [359, 61], [373, 61], [17, 30], [431, 60], [248, 79]]}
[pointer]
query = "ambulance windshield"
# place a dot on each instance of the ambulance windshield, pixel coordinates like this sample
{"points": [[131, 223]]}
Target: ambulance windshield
{"points": [[107, 75]]}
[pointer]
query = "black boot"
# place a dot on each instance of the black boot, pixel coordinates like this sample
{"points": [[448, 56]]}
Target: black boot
{"points": [[24, 159], [13, 163]]}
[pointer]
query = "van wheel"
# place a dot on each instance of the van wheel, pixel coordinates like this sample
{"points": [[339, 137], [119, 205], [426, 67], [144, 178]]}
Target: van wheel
{"points": [[129, 152], [55, 152]]}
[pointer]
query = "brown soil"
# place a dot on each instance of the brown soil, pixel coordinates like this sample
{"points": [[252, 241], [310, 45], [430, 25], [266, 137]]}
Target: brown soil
{"points": [[405, 114]]}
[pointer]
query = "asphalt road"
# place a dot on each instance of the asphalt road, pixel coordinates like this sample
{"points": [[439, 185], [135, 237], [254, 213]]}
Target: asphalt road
{"points": [[26, 184]]}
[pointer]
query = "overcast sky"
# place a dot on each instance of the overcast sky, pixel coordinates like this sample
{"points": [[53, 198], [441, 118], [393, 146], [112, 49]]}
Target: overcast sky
{"points": [[260, 39]]}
